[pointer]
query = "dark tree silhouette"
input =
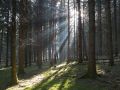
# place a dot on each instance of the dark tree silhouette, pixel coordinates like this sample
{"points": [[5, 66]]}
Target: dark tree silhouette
{"points": [[91, 46], [13, 44]]}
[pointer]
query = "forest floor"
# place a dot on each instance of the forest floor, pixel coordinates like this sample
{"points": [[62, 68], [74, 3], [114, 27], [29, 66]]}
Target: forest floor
{"points": [[68, 77]]}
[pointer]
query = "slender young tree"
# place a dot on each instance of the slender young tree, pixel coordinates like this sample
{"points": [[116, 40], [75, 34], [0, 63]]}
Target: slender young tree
{"points": [[13, 44], [83, 34], [68, 49], [74, 3], [99, 27], [115, 27], [118, 24], [1, 46], [91, 46], [7, 43]]}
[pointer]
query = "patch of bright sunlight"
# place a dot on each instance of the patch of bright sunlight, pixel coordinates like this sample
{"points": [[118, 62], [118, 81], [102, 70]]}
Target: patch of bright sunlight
{"points": [[47, 73], [61, 85], [74, 62], [4, 69], [62, 64], [55, 87], [100, 70], [68, 83], [53, 70]]}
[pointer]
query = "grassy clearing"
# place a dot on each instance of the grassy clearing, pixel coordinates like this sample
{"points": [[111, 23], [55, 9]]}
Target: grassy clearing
{"points": [[67, 78]]}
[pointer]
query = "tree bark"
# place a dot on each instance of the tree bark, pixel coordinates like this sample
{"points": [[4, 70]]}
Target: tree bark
{"points": [[109, 44], [22, 34], [99, 28], [68, 50], [91, 43], [79, 33], [115, 28], [13, 44]]}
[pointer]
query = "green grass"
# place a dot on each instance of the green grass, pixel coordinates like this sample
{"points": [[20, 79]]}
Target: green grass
{"points": [[4, 77], [67, 78], [64, 77]]}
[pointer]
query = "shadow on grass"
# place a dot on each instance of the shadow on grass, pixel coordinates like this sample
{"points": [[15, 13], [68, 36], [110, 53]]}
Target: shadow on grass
{"points": [[31, 71], [45, 83], [4, 77], [5, 74], [67, 78], [34, 70], [57, 81]]}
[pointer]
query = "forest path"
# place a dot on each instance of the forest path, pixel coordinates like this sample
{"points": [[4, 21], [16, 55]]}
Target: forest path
{"points": [[23, 83], [38, 76]]}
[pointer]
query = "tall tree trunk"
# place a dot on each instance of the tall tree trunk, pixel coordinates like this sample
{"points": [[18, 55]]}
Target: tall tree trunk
{"points": [[74, 3], [119, 25], [109, 43], [7, 48], [99, 28], [7, 37], [39, 59], [49, 45], [22, 34], [85, 57], [68, 50], [91, 51], [115, 28], [13, 44], [30, 32], [1, 46], [79, 33]]}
